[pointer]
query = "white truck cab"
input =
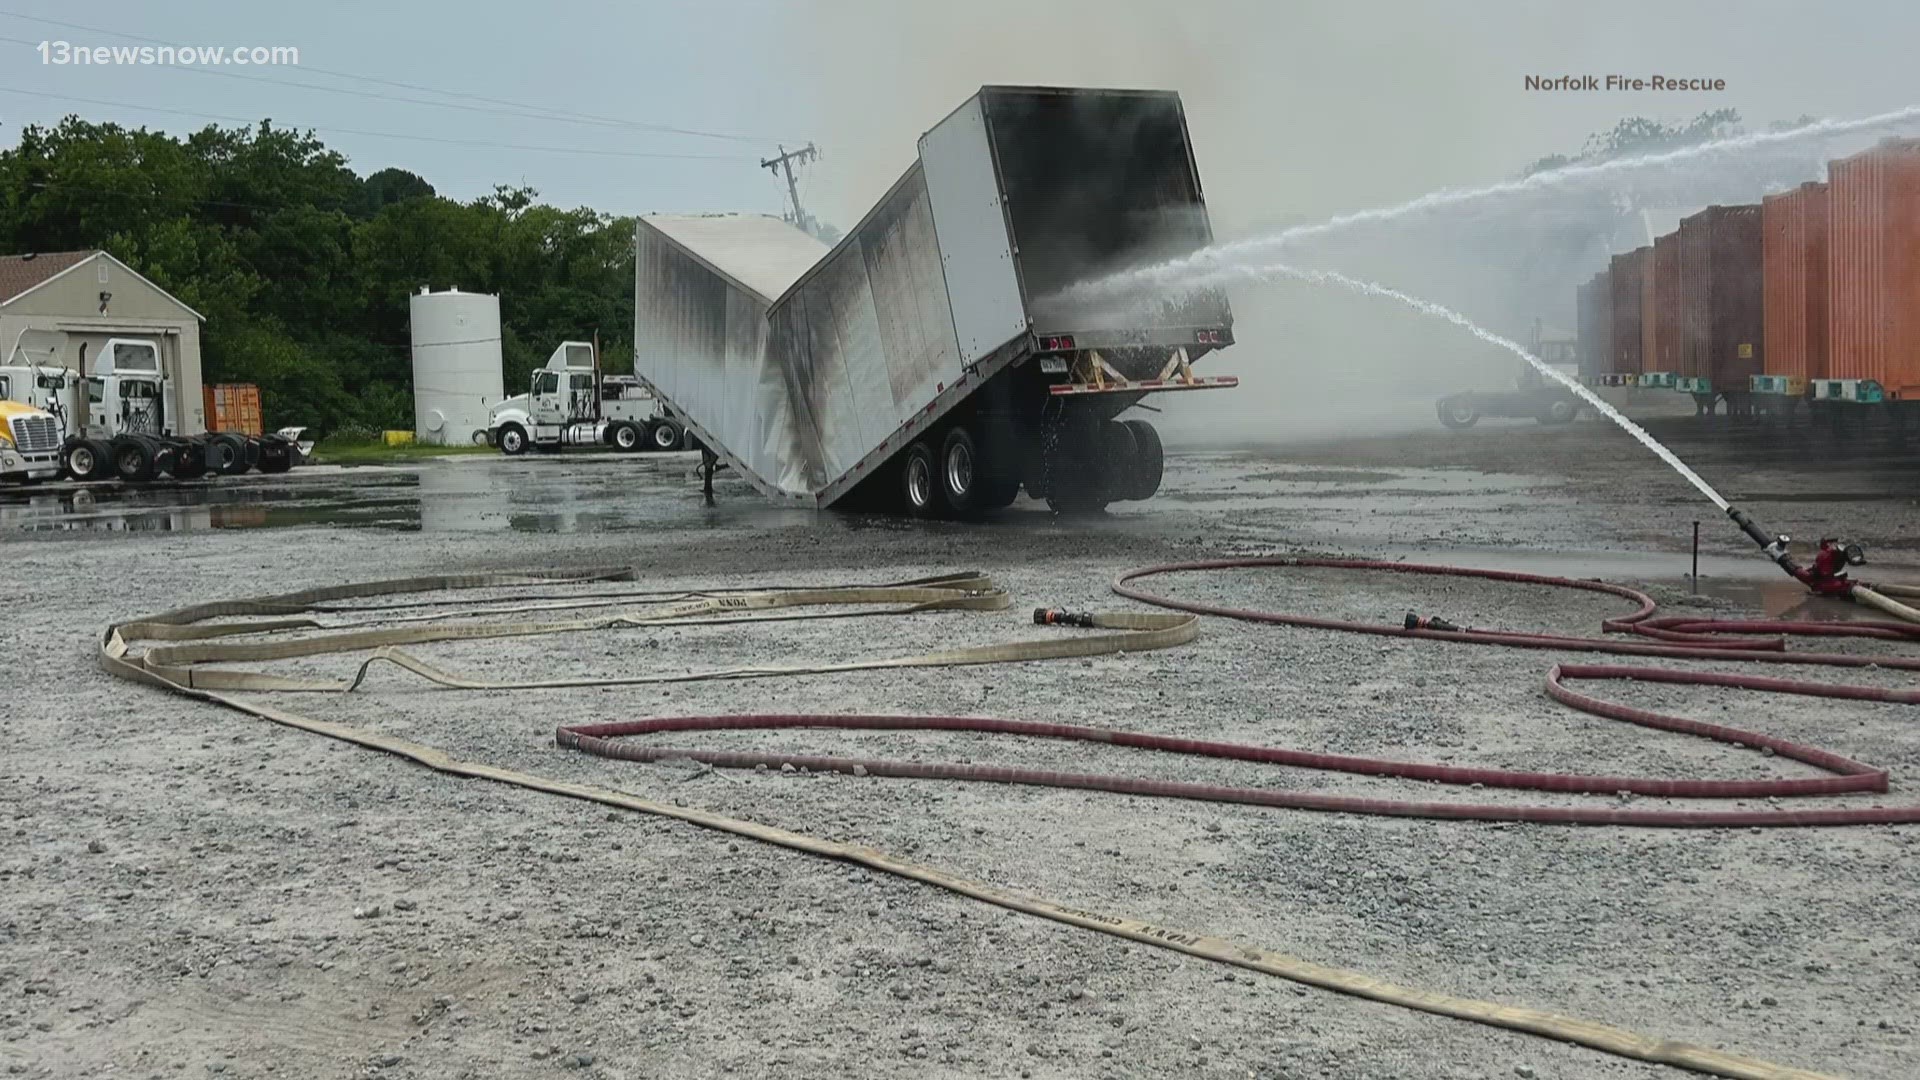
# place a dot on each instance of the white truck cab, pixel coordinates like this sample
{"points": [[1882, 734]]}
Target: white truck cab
{"points": [[110, 411], [568, 404]]}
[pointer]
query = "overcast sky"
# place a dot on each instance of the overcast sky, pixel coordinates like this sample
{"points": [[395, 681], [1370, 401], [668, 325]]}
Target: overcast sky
{"points": [[1297, 109]]}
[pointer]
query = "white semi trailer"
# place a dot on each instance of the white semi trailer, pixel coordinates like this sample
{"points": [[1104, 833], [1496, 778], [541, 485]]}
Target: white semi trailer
{"points": [[937, 360]]}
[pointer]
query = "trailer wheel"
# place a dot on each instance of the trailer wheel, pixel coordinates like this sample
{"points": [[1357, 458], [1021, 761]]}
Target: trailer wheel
{"points": [[624, 436], [227, 452], [513, 440], [1149, 461], [1458, 413], [919, 483], [664, 435], [1077, 502], [1559, 412], [963, 476], [133, 459]]}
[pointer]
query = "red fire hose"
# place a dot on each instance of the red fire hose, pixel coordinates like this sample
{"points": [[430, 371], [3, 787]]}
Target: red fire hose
{"points": [[1671, 636]]}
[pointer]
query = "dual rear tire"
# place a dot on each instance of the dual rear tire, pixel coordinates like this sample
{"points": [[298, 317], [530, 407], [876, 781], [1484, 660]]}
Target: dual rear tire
{"points": [[1087, 465], [963, 477], [976, 467]]}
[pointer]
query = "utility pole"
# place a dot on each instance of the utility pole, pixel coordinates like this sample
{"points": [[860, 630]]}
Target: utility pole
{"points": [[784, 163]]}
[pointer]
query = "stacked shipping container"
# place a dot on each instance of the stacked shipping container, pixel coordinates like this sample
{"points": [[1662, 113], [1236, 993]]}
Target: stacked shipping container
{"points": [[1595, 303], [1873, 258], [1625, 289], [1665, 317], [1794, 266], [1720, 321], [232, 407]]}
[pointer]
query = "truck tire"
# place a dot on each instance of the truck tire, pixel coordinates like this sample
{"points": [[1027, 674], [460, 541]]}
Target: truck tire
{"points": [[963, 472], [664, 435], [133, 459], [87, 459], [513, 440], [1149, 461], [919, 480], [1559, 412], [1458, 413], [625, 437], [227, 453], [1077, 502]]}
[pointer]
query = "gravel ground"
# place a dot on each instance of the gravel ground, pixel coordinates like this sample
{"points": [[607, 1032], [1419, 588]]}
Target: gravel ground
{"points": [[191, 892]]}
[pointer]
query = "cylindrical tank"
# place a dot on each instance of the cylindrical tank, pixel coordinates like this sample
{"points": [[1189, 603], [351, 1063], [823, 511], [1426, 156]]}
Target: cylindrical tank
{"points": [[456, 365]]}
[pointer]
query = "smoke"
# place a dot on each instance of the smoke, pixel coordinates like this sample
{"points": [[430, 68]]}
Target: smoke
{"points": [[1299, 113]]}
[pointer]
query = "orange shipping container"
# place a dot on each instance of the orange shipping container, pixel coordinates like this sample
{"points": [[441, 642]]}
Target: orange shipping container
{"points": [[233, 407], [1649, 297], [1873, 267], [1594, 306], [1624, 291], [1794, 262], [1720, 320], [1666, 304]]}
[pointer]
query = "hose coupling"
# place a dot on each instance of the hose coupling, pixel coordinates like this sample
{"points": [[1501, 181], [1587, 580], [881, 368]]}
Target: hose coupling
{"points": [[1429, 622], [1059, 617]]}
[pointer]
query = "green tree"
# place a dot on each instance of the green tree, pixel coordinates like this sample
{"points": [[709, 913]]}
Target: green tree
{"points": [[303, 268]]}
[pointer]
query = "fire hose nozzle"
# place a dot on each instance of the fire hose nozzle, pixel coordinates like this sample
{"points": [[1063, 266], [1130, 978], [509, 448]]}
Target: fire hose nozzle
{"points": [[1058, 617], [1428, 622]]}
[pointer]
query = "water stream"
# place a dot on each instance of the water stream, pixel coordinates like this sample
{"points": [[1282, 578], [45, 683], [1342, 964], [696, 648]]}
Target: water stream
{"points": [[1220, 263], [1277, 271]]}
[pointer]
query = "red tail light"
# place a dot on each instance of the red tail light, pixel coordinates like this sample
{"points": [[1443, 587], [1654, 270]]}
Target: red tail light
{"points": [[1056, 344]]}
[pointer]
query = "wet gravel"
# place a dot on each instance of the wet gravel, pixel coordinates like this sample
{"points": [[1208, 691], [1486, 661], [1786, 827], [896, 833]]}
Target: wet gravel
{"points": [[193, 893]]}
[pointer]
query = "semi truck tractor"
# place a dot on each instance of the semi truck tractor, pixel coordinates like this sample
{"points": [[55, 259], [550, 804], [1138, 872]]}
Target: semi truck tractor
{"points": [[569, 403], [112, 414], [947, 353], [29, 443]]}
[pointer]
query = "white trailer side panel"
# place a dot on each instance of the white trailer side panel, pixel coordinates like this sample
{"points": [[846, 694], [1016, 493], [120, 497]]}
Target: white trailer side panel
{"points": [[702, 287], [983, 283], [866, 338]]}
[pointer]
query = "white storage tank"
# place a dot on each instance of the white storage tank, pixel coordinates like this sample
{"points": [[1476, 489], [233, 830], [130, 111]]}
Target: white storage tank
{"points": [[456, 365]]}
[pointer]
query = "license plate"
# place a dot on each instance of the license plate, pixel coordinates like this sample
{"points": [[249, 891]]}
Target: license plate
{"points": [[1053, 365]]}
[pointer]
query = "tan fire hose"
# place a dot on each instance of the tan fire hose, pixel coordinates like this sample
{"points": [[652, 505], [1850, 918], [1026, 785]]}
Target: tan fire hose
{"points": [[180, 668], [1880, 596]]}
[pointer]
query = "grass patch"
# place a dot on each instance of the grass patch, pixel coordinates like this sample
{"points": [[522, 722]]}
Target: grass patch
{"points": [[367, 452]]}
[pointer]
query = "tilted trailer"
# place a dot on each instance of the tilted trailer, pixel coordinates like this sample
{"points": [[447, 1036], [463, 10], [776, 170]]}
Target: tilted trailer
{"points": [[939, 358]]}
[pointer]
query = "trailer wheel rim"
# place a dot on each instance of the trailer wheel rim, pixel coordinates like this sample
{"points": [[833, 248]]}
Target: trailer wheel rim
{"points": [[959, 469], [919, 482], [665, 436], [80, 462], [128, 460], [624, 437]]}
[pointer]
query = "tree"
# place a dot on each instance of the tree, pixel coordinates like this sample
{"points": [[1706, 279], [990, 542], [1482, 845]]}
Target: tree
{"points": [[303, 268], [1639, 135]]}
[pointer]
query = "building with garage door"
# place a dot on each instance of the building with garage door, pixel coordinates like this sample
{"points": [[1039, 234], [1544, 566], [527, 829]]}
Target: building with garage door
{"points": [[60, 308]]}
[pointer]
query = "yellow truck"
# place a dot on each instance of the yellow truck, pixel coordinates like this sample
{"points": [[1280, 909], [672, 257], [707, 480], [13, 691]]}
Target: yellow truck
{"points": [[30, 443]]}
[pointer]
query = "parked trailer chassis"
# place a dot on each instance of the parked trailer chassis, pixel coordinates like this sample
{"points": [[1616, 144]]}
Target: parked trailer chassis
{"points": [[139, 458]]}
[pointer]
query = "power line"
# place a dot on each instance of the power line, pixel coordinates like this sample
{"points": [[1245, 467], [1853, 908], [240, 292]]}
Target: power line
{"points": [[479, 143], [521, 114], [524, 110]]}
